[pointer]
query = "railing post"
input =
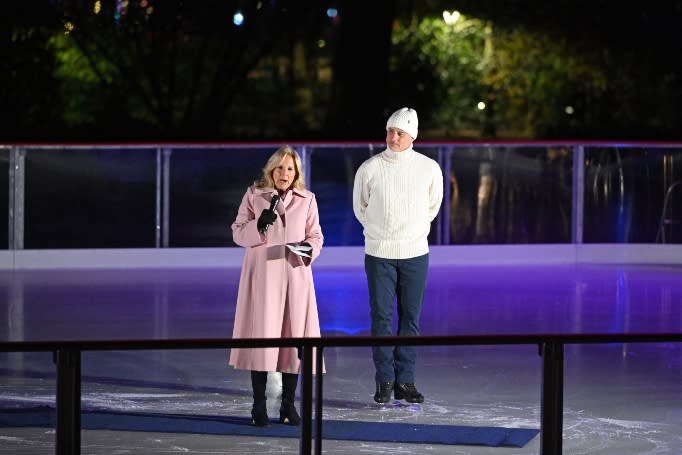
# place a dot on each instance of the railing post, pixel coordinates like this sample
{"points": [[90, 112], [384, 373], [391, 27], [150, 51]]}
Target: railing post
{"points": [[578, 196], [305, 158], [551, 408], [318, 399], [68, 401], [17, 187], [165, 197], [307, 400], [158, 199], [445, 159]]}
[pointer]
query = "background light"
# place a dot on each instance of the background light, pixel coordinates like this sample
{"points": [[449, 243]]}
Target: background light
{"points": [[450, 17], [238, 18]]}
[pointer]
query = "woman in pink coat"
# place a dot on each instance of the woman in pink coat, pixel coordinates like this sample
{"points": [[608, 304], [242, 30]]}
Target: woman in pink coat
{"points": [[276, 297]]}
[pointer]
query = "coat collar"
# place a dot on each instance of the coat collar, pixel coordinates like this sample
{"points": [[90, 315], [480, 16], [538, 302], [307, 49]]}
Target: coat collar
{"points": [[302, 193]]}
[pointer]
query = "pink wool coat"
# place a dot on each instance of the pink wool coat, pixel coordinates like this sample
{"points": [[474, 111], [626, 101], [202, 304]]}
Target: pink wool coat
{"points": [[276, 296]]}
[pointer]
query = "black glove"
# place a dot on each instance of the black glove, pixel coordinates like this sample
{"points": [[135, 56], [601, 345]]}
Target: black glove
{"points": [[265, 220], [308, 244]]}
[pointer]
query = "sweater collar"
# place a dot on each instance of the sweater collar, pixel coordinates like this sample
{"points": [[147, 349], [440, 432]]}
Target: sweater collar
{"points": [[398, 157]]}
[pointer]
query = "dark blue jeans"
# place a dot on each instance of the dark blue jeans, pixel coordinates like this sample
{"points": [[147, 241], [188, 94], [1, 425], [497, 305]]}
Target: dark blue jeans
{"points": [[402, 281]]}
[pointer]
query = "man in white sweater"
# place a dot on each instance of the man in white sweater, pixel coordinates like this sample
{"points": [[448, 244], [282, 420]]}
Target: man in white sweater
{"points": [[396, 195]]}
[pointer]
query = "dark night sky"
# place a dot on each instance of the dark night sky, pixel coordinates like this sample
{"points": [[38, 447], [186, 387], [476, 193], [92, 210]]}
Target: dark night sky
{"points": [[650, 27]]}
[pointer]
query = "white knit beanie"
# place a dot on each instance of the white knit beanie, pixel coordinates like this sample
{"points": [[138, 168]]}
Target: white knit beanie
{"points": [[404, 119]]}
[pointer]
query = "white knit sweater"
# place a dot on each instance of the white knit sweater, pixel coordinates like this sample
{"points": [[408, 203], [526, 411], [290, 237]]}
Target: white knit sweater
{"points": [[396, 195]]}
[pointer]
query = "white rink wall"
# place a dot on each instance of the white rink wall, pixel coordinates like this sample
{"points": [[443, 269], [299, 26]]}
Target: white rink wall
{"points": [[343, 256]]}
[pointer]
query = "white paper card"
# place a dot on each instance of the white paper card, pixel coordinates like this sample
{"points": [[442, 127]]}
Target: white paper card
{"points": [[301, 250]]}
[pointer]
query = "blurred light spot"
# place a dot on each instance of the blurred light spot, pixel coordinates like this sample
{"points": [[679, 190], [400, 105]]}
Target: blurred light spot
{"points": [[450, 17], [332, 13], [569, 110], [143, 4], [238, 18], [117, 14], [98, 7], [321, 43], [68, 27], [480, 106]]}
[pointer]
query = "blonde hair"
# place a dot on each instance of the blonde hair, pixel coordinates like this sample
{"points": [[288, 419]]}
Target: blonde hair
{"points": [[266, 181]]}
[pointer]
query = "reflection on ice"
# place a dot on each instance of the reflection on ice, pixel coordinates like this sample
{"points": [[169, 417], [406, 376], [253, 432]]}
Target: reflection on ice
{"points": [[619, 399]]}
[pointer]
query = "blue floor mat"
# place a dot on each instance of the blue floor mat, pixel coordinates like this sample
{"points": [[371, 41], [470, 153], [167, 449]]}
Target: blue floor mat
{"points": [[44, 416]]}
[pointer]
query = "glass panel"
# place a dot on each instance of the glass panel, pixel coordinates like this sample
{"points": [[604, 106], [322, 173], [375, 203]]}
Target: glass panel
{"points": [[206, 188], [504, 195], [332, 171], [625, 190], [4, 198], [106, 198], [90, 198], [432, 152], [332, 175]]}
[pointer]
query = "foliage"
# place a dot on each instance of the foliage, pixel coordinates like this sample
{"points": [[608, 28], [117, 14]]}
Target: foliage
{"points": [[542, 83], [182, 70], [81, 81], [439, 69], [173, 68], [527, 80]]}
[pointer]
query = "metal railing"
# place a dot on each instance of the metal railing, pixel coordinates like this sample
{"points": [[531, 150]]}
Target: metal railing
{"points": [[67, 355]]}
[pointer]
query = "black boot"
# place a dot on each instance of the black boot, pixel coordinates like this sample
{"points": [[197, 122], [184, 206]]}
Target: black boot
{"points": [[287, 412], [383, 392], [408, 392], [259, 412]]}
